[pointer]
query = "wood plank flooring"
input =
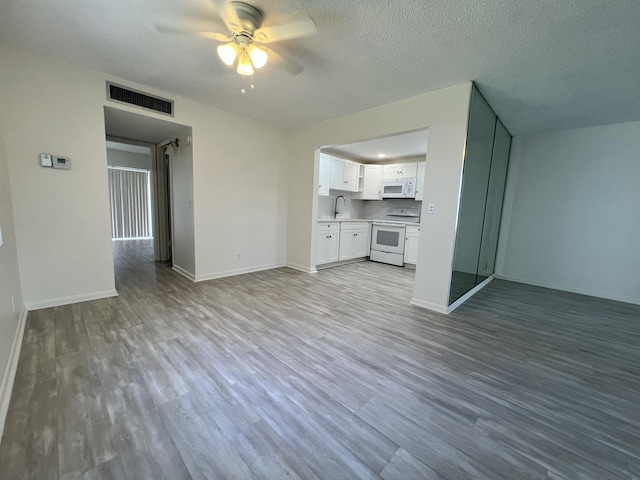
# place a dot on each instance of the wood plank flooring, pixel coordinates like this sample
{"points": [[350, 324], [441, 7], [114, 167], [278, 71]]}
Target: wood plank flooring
{"points": [[280, 374]]}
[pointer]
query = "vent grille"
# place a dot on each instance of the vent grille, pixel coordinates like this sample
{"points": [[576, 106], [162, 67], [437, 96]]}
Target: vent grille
{"points": [[121, 94]]}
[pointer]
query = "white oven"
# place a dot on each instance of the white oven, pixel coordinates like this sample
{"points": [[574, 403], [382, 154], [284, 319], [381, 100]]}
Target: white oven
{"points": [[387, 243], [388, 235]]}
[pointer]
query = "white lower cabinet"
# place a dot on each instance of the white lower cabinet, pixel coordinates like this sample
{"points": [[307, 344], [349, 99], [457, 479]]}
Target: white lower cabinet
{"points": [[327, 242], [337, 241], [412, 238], [354, 240]]}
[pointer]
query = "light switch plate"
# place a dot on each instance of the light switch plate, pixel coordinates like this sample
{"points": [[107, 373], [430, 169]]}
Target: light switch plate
{"points": [[46, 160]]}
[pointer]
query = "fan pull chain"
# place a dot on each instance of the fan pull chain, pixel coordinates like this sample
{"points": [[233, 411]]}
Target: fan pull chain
{"points": [[244, 90]]}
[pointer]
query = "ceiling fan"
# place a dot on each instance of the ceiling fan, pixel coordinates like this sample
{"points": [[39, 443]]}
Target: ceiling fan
{"points": [[244, 22]]}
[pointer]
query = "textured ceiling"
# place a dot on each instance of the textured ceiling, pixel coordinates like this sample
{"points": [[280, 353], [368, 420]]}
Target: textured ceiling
{"points": [[411, 144], [542, 65]]}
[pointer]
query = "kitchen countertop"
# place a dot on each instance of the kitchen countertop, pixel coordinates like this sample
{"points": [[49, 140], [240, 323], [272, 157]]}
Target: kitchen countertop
{"points": [[332, 220], [346, 220]]}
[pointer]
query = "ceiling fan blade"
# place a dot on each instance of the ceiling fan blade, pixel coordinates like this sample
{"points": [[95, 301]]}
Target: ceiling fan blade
{"points": [[230, 17], [287, 31], [291, 66], [194, 33]]}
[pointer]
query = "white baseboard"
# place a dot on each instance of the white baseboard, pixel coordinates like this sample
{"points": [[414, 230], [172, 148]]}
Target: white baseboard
{"points": [[237, 271], [564, 288], [184, 273], [6, 387], [56, 302], [301, 268], [448, 309], [428, 305]]}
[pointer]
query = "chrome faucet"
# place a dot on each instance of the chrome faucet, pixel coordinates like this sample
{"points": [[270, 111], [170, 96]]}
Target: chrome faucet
{"points": [[335, 208]]}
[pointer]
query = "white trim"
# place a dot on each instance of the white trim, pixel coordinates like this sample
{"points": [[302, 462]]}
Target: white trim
{"points": [[56, 302], [131, 238], [237, 271], [442, 309], [301, 268], [6, 387], [184, 273], [128, 169], [428, 305], [324, 266], [563, 288]]}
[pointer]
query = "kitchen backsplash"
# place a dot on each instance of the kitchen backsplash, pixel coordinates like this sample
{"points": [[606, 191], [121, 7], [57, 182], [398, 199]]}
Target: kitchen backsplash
{"points": [[352, 208], [378, 208]]}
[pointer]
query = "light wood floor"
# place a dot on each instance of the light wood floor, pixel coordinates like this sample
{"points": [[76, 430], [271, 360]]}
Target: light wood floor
{"points": [[281, 374]]}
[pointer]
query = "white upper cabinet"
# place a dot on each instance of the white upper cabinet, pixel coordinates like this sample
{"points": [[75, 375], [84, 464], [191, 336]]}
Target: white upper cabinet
{"points": [[324, 176], [371, 183], [420, 180], [344, 174], [398, 170]]}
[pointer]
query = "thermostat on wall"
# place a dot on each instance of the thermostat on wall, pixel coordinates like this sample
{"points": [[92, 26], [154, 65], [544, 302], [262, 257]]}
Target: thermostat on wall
{"points": [[55, 161], [61, 162]]}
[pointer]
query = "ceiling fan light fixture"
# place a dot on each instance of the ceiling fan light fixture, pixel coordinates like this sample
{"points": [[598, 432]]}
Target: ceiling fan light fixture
{"points": [[258, 56], [244, 64], [228, 53]]}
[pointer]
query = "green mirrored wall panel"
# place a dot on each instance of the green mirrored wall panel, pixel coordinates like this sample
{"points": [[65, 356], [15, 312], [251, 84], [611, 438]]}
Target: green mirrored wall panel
{"points": [[495, 196], [473, 196]]}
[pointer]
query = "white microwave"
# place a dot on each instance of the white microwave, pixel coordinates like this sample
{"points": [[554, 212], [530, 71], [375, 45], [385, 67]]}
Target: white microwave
{"points": [[402, 187]]}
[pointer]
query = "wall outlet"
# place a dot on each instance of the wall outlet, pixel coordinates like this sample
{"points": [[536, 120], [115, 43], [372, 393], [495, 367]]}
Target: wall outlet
{"points": [[431, 208]]}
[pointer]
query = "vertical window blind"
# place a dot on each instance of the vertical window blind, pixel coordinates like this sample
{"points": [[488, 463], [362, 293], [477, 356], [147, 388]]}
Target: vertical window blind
{"points": [[130, 196]]}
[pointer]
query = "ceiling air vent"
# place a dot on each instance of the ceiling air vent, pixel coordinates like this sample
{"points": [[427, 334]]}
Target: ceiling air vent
{"points": [[121, 94]]}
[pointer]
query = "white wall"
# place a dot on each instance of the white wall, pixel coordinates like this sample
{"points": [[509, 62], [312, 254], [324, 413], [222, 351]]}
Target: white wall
{"points": [[120, 158], [572, 212], [444, 113], [62, 217], [9, 287], [240, 193]]}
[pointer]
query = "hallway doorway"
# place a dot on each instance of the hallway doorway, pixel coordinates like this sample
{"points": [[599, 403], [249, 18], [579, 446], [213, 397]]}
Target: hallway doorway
{"points": [[147, 158]]}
